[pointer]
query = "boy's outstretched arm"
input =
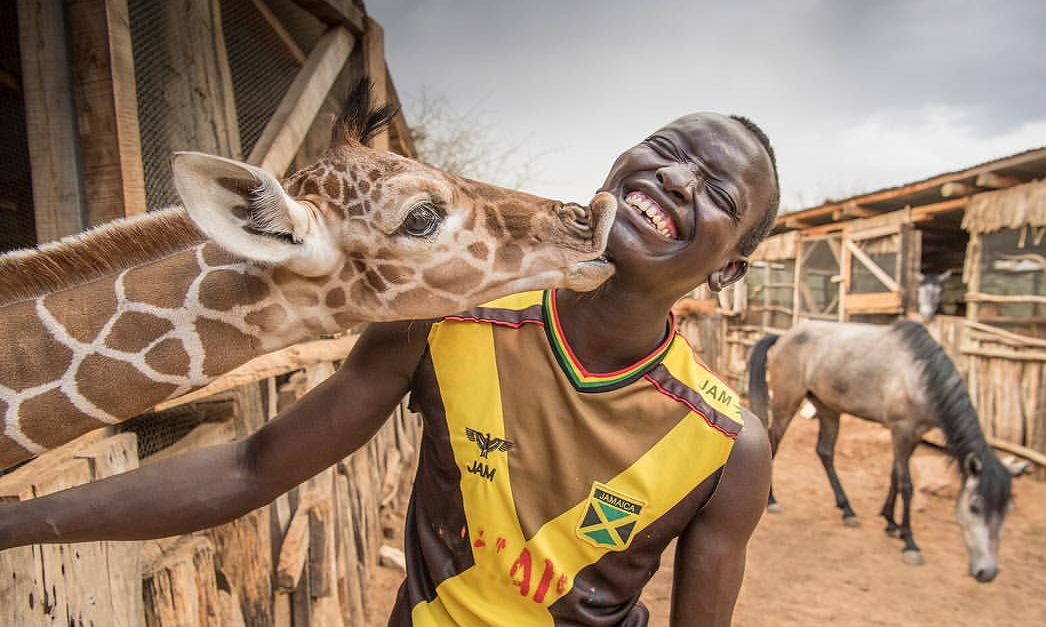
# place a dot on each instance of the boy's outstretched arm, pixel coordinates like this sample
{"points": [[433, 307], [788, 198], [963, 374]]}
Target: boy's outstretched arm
{"points": [[710, 556], [210, 486]]}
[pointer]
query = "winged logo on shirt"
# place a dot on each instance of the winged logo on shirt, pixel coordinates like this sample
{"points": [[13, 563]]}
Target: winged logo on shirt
{"points": [[487, 444]]}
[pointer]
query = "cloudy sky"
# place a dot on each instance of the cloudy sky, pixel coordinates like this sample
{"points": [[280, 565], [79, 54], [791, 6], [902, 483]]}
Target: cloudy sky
{"points": [[855, 95]]}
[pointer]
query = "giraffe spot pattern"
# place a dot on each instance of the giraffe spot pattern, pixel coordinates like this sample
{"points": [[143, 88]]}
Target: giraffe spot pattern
{"points": [[174, 273], [417, 301], [269, 318], [113, 399], [478, 250], [508, 258], [134, 330], [219, 287], [168, 357], [55, 419], [82, 318], [215, 255], [335, 298], [33, 355], [234, 346], [397, 275], [332, 185], [454, 275]]}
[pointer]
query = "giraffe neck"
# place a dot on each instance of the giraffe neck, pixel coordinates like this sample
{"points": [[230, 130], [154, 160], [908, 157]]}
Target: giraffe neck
{"points": [[106, 350]]}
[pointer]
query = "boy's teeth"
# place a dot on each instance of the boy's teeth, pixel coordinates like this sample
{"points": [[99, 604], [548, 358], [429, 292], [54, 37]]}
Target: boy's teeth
{"points": [[650, 210]]}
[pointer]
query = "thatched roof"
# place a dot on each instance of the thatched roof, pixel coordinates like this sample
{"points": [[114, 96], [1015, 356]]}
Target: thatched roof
{"points": [[777, 247], [1009, 208]]}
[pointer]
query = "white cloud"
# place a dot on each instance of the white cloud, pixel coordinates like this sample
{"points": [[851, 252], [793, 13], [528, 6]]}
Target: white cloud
{"points": [[885, 149]]}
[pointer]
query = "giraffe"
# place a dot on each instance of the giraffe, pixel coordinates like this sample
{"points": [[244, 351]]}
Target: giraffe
{"points": [[102, 326]]}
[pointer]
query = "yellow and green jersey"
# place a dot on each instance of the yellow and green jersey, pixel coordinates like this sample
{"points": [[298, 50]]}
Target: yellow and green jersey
{"points": [[546, 493]]}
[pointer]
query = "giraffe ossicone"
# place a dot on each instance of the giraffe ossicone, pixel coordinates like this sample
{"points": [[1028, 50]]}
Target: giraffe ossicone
{"points": [[102, 326]]}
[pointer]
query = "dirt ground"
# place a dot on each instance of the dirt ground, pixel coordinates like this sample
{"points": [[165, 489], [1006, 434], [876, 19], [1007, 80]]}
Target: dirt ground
{"points": [[806, 568]]}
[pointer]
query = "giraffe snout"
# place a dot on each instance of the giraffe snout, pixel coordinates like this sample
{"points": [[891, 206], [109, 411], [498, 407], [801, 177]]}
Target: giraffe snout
{"points": [[577, 218]]}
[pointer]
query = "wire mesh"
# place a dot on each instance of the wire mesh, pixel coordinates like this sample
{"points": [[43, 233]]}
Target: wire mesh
{"points": [[261, 67], [17, 220], [159, 430], [152, 71]]}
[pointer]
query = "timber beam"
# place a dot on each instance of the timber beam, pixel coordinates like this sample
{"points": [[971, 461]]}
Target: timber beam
{"points": [[337, 12], [994, 180], [952, 189], [853, 210], [286, 130]]}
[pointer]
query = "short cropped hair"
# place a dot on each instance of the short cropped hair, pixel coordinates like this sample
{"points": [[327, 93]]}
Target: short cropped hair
{"points": [[750, 240]]}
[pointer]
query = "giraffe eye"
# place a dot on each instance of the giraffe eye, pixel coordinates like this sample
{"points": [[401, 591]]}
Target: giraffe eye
{"points": [[422, 220]]}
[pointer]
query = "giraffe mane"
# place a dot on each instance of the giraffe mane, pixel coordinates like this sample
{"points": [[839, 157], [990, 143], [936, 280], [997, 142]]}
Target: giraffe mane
{"points": [[360, 120], [96, 253]]}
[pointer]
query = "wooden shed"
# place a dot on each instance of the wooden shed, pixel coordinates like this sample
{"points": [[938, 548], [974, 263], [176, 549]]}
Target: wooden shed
{"points": [[860, 259], [94, 97]]}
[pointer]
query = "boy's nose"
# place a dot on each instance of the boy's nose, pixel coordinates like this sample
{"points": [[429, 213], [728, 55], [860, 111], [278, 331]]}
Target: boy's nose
{"points": [[678, 180]]}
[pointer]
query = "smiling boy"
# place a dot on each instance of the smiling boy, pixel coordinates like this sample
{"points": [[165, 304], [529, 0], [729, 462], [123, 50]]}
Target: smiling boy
{"points": [[569, 437]]}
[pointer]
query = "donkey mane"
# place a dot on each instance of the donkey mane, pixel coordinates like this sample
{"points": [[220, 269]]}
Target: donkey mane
{"points": [[99, 252], [955, 413]]}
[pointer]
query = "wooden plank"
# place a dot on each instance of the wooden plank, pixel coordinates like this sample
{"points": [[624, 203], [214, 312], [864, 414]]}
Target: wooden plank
{"points": [[374, 67], [1029, 355], [281, 32], [321, 548], [884, 302], [284, 133], [1002, 334], [100, 36], [180, 586], [337, 12], [975, 297], [294, 549], [925, 213], [50, 120], [121, 562], [873, 267]]}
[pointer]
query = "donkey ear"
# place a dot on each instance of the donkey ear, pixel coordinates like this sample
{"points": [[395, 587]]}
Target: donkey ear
{"points": [[245, 210], [942, 277], [971, 465], [1016, 467]]}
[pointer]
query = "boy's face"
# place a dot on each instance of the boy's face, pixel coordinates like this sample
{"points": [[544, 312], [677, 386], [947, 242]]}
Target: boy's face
{"points": [[685, 197]]}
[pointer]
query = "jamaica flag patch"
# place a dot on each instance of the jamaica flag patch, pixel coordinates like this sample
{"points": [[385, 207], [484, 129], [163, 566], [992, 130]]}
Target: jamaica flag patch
{"points": [[610, 518]]}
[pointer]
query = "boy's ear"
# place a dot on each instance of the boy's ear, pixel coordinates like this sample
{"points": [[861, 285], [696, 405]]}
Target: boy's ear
{"points": [[731, 272]]}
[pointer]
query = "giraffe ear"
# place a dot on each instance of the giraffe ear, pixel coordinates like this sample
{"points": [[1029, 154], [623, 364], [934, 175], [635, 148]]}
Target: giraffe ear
{"points": [[245, 210]]}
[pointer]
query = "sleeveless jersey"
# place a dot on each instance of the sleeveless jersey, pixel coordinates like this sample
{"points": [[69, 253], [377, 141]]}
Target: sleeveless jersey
{"points": [[546, 493]]}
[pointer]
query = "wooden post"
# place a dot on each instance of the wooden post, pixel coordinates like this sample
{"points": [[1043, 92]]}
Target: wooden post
{"points": [[104, 85], [374, 66], [50, 120], [197, 95], [284, 133]]}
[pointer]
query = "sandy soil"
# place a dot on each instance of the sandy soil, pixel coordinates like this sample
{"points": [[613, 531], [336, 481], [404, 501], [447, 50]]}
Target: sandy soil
{"points": [[806, 568]]}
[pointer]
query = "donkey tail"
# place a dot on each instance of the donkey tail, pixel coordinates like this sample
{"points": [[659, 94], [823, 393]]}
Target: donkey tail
{"points": [[758, 392]]}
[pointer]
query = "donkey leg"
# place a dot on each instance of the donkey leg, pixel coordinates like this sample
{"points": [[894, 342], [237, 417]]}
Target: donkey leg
{"points": [[890, 505], [826, 438], [783, 407], [903, 447]]}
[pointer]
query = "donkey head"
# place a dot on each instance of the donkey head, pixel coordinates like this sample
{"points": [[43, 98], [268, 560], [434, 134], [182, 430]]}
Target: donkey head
{"points": [[981, 508], [930, 288]]}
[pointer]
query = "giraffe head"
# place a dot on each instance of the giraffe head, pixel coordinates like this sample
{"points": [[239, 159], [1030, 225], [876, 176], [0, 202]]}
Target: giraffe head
{"points": [[394, 237]]}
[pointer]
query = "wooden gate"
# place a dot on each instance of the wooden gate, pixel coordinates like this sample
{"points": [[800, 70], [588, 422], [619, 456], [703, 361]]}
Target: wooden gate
{"points": [[878, 269], [818, 279]]}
